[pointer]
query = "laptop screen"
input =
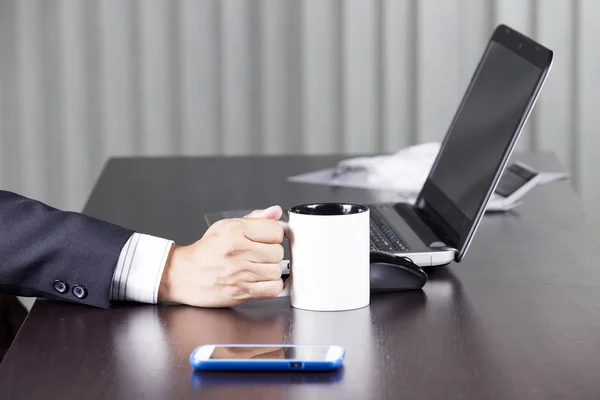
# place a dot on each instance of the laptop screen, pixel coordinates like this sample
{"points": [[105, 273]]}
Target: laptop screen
{"points": [[483, 133]]}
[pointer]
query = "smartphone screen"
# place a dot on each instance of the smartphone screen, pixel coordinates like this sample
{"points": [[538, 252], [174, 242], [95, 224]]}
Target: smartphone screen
{"points": [[305, 353], [227, 357]]}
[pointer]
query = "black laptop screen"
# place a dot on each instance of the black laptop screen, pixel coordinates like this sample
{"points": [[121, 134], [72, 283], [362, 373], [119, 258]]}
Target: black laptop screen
{"points": [[482, 134], [484, 129]]}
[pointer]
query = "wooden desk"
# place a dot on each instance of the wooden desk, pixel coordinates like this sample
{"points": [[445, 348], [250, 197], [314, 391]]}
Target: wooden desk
{"points": [[518, 319]]}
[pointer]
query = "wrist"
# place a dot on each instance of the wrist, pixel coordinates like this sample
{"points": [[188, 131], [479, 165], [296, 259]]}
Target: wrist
{"points": [[166, 286]]}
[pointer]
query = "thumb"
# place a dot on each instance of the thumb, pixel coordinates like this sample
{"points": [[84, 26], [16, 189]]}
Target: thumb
{"points": [[273, 212]]}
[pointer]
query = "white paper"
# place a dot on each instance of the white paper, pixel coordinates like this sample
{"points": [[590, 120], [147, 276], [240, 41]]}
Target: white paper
{"points": [[549, 177]]}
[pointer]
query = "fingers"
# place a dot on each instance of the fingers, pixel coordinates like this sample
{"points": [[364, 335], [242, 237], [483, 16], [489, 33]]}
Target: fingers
{"points": [[265, 272], [264, 252], [263, 230], [265, 289], [273, 212], [249, 272], [255, 214]]}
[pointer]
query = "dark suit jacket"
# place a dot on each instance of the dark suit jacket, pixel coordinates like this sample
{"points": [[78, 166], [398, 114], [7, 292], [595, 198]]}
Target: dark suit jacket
{"points": [[45, 252]]}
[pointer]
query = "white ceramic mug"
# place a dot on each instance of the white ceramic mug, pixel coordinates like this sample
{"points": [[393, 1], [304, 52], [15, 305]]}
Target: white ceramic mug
{"points": [[329, 256]]}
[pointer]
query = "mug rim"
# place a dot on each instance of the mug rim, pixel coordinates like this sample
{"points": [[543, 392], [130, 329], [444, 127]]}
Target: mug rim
{"points": [[361, 209]]}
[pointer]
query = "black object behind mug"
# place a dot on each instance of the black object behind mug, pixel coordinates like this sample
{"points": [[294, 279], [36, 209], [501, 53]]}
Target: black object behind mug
{"points": [[391, 273]]}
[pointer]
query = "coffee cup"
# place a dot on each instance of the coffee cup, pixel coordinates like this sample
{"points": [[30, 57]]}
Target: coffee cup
{"points": [[329, 256]]}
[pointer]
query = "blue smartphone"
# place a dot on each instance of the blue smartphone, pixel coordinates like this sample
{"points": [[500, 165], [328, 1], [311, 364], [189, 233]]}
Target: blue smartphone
{"points": [[266, 357]]}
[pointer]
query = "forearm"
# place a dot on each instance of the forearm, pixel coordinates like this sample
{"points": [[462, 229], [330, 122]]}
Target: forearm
{"points": [[45, 252]]}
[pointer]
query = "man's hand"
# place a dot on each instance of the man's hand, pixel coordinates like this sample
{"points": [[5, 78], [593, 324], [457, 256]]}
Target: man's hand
{"points": [[236, 260]]}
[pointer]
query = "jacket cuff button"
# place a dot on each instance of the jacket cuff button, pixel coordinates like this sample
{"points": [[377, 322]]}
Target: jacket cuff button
{"points": [[79, 291], [61, 286]]}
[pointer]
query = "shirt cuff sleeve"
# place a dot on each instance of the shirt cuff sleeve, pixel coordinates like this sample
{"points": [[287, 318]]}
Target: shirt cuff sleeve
{"points": [[140, 268]]}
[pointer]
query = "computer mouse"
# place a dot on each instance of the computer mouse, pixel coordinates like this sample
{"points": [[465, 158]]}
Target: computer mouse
{"points": [[392, 273]]}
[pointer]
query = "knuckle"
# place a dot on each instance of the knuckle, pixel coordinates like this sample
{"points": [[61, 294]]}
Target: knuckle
{"points": [[275, 271], [278, 231], [229, 272], [219, 224], [230, 250], [226, 225], [279, 252], [275, 289], [274, 253], [236, 224], [270, 253], [237, 291], [232, 247]]}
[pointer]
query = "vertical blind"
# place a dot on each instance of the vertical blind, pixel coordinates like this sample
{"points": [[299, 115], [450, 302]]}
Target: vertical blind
{"points": [[83, 81]]}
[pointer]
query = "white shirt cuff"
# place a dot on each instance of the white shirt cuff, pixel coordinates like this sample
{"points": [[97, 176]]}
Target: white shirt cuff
{"points": [[140, 268]]}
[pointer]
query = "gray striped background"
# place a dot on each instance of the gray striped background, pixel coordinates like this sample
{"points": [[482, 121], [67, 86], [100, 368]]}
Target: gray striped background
{"points": [[81, 81]]}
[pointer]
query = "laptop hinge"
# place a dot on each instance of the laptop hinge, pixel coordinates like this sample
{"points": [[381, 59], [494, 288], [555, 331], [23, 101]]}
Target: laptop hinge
{"points": [[444, 232], [411, 215]]}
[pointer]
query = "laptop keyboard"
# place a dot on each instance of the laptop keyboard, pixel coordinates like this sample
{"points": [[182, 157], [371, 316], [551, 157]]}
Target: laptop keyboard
{"points": [[383, 237]]}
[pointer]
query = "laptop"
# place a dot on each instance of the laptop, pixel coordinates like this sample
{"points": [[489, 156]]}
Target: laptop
{"points": [[439, 226]]}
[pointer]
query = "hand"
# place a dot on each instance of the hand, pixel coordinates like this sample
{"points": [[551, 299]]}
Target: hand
{"points": [[236, 260]]}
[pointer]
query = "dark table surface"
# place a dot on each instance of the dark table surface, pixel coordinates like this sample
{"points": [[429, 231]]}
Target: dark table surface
{"points": [[518, 318]]}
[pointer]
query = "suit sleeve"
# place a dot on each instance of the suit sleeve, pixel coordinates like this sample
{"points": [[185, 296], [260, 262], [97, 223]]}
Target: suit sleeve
{"points": [[54, 254]]}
